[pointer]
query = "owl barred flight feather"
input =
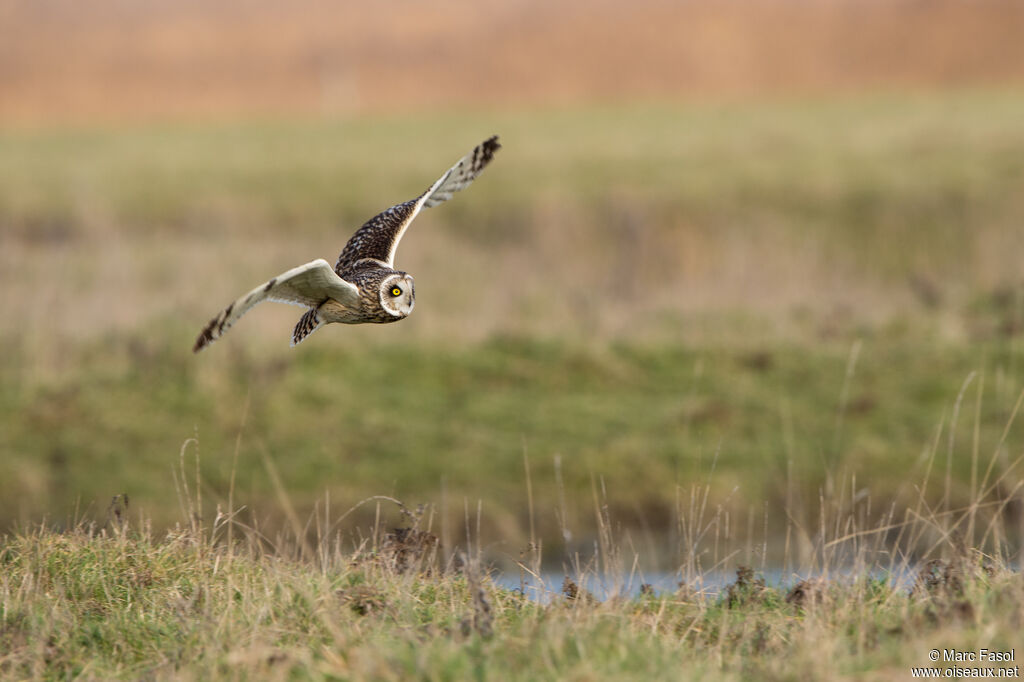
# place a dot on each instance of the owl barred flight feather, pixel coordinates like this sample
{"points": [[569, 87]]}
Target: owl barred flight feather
{"points": [[363, 286]]}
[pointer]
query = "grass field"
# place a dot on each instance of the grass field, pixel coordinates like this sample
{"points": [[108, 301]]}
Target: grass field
{"points": [[768, 430], [658, 337], [630, 221], [113, 602], [780, 300]]}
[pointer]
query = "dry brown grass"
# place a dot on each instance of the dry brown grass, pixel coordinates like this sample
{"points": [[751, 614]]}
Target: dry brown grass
{"points": [[63, 60]]}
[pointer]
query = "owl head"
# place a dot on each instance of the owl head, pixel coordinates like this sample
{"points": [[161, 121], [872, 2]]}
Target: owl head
{"points": [[397, 294]]}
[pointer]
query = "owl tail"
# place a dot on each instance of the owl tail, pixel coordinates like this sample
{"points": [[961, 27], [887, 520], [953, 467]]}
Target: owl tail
{"points": [[308, 324]]}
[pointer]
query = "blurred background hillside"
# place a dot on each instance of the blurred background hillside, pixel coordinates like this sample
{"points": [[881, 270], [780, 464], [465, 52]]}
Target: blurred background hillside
{"points": [[771, 248], [126, 60]]}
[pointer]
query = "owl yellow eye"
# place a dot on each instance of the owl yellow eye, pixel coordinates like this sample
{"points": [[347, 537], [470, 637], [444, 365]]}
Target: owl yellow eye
{"points": [[396, 292]]}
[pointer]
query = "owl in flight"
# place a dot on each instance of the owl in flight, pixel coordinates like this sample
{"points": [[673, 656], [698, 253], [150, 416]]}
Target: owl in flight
{"points": [[364, 285]]}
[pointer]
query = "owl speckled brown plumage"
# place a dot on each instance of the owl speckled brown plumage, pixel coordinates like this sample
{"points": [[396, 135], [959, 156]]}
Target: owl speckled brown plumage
{"points": [[364, 286]]}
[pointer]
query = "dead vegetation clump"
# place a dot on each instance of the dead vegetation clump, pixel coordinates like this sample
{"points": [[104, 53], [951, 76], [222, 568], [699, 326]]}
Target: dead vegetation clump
{"points": [[949, 578], [808, 593], [939, 577], [946, 584], [575, 594], [363, 599], [409, 549], [749, 589]]}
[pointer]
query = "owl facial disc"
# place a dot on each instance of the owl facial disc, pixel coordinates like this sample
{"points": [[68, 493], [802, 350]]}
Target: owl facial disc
{"points": [[398, 294]]}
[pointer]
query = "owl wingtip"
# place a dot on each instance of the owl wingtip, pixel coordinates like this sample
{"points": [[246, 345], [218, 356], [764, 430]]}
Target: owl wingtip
{"points": [[205, 337], [483, 154]]}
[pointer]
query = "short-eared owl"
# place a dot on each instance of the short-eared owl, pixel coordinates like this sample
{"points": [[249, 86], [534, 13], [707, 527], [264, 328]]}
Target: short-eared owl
{"points": [[364, 285]]}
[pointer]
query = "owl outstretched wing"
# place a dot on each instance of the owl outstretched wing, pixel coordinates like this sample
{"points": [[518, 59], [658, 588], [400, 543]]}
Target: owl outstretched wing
{"points": [[379, 237], [309, 285]]}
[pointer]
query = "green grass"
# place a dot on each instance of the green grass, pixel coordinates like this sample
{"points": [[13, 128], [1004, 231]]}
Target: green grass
{"points": [[430, 425], [118, 603]]}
